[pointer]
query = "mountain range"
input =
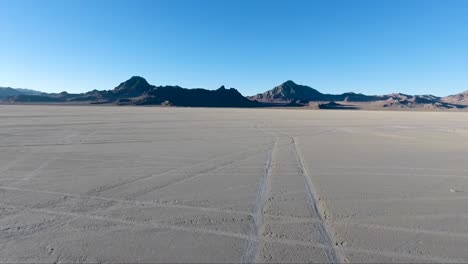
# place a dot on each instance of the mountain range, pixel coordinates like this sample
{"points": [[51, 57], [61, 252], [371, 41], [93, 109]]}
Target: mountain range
{"points": [[137, 91], [292, 94], [6, 92]]}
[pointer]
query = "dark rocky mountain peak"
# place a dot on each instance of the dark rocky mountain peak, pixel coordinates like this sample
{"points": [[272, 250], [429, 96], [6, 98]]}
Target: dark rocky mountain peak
{"points": [[132, 87], [288, 92], [289, 83], [136, 80]]}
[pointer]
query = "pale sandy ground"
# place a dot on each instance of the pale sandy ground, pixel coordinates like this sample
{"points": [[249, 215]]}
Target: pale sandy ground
{"points": [[134, 184]]}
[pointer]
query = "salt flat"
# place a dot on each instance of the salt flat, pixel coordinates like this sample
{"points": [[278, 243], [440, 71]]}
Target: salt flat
{"points": [[143, 184]]}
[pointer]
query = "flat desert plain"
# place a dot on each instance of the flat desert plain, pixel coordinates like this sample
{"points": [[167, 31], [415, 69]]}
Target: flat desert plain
{"points": [[153, 184]]}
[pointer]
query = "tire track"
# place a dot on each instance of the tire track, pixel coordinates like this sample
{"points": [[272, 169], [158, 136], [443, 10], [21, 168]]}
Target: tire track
{"points": [[343, 173], [333, 255], [395, 168], [77, 144], [414, 240], [289, 219], [416, 231], [149, 176], [36, 171], [251, 245], [134, 223], [199, 174], [215, 167], [453, 197], [122, 202], [13, 163], [68, 137], [195, 230]]}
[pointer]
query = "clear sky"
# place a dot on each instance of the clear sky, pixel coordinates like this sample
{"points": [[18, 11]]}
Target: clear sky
{"points": [[373, 47]]}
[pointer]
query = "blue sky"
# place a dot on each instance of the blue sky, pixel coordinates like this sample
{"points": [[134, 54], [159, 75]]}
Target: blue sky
{"points": [[373, 47]]}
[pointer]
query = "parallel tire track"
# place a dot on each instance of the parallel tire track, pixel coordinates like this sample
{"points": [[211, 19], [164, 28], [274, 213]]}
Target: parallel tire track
{"points": [[123, 202], [181, 169], [251, 246], [190, 176], [333, 255], [289, 242]]}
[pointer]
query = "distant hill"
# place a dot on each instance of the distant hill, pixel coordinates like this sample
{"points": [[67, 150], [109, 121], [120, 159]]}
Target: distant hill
{"points": [[28, 91], [461, 99], [292, 94], [288, 92], [8, 91], [137, 91]]}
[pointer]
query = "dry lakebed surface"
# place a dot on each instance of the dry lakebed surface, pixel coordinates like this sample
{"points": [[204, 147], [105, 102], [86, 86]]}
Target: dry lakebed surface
{"points": [[155, 184]]}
